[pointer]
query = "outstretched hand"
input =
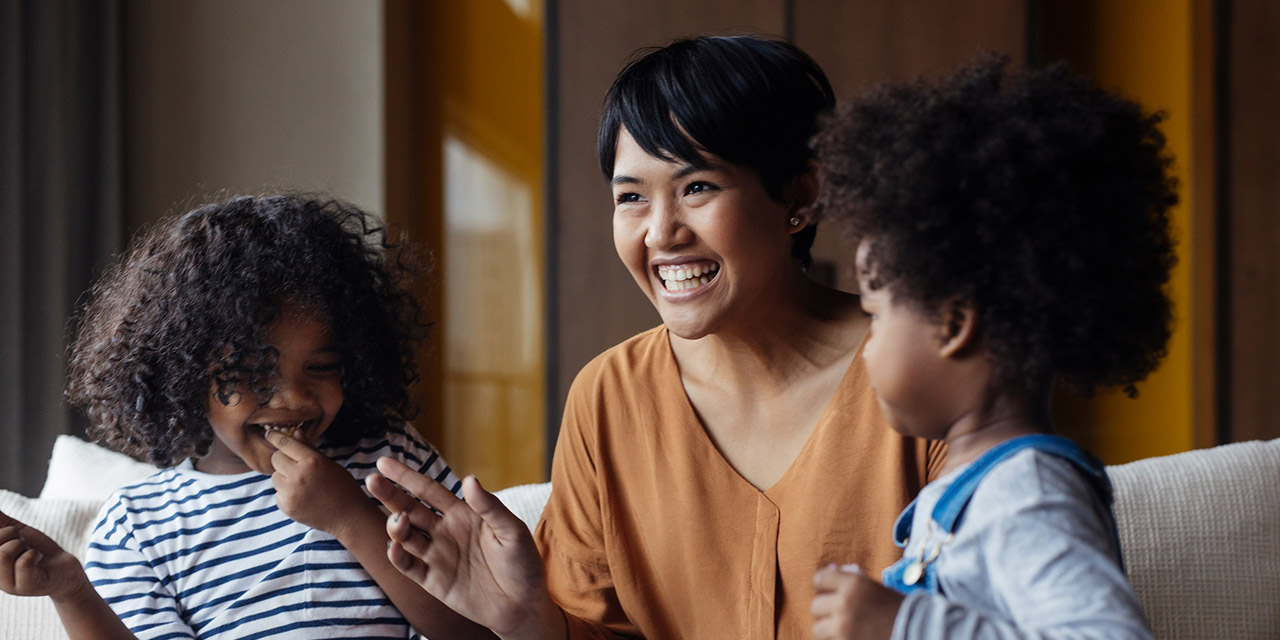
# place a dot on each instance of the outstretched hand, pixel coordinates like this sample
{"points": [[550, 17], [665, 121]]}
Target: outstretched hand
{"points": [[850, 605], [32, 564], [475, 556]]}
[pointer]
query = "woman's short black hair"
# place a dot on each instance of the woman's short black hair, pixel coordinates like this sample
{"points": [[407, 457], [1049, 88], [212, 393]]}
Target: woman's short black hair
{"points": [[183, 313], [752, 101], [1038, 198]]}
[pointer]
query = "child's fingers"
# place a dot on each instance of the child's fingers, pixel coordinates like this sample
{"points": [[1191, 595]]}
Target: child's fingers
{"points": [[11, 548], [423, 488], [829, 578], [826, 628], [28, 565], [282, 464], [34, 538], [292, 448]]}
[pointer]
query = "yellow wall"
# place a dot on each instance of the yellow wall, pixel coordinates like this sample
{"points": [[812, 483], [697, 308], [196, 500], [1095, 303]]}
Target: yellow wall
{"points": [[469, 183], [1146, 50], [493, 240]]}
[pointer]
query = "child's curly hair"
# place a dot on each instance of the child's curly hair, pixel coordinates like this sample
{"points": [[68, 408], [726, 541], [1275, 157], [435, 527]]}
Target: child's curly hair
{"points": [[182, 315], [1040, 199]]}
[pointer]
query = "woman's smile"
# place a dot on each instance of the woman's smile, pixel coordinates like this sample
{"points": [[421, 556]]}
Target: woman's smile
{"points": [[686, 277], [704, 242]]}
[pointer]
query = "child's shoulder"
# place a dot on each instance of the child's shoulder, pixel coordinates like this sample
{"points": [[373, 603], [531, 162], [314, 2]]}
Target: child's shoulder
{"points": [[1033, 479], [401, 441]]}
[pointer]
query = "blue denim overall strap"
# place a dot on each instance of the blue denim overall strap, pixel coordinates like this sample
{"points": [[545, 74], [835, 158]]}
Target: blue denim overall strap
{"points": [[914, 573]]}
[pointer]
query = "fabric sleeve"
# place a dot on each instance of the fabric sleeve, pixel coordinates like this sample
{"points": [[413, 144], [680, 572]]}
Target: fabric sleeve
{"points": [[1049, 560], [570, 534], [124, 577]]}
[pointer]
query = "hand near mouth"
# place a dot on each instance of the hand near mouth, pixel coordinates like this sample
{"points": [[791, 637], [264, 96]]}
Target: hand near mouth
{"points": [[312, 489]]}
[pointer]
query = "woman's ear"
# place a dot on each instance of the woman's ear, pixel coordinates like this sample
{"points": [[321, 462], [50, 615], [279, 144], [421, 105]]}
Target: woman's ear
{"points": [[959, 328], [801, 195]]}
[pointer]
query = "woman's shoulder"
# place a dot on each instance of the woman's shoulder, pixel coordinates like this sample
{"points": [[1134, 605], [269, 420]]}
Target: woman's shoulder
{"points": [[638, 356]]}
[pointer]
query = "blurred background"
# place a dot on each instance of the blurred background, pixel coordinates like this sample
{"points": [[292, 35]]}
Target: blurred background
{"points": [[470, 125]]}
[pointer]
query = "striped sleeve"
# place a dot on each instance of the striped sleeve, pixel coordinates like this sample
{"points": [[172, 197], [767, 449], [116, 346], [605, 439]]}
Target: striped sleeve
{"points": [[411, 449], [125, 578], [402, 443]]}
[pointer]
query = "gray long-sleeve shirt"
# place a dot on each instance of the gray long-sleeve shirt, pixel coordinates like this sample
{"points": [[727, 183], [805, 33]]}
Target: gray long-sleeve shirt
{"points": [[1034, 557]]}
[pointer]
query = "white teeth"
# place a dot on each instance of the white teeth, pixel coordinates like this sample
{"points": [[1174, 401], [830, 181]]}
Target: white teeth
{"points": [[289, 429], [681, 278]]}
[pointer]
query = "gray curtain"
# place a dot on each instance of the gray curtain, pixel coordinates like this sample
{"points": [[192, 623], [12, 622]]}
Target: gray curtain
{"points": [[60, 198]]}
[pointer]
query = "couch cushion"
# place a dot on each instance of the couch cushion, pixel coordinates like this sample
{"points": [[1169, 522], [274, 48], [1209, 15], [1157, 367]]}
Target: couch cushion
{"points": [[80, 470], [1201, 538], [526, 501], [67, 522]]}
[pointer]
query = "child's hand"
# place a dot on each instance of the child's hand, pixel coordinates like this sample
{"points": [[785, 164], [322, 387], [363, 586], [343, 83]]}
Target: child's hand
{"points": [[314, 490], [851, 605], [31, 564], [476, 557]]}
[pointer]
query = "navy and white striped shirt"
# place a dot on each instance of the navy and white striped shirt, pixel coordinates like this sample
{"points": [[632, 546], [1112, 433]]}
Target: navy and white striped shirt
{"points": [[185, 554]]}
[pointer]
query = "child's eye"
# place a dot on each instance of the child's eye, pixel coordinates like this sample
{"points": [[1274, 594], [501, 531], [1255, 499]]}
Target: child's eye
{"points": [[700, 186], [625, 198]]}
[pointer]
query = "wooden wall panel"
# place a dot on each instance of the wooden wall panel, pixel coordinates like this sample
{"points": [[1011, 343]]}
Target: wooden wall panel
{"points": [[1253, 233]]}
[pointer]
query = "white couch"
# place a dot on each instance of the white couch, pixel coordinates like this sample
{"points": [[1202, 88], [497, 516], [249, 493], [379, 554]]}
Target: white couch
{"points": [[1200, 533]]}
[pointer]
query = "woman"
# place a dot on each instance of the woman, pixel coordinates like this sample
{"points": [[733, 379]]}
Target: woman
{"points": [[707, 467]]}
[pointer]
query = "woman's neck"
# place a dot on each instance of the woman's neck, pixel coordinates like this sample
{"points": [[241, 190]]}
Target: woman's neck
{"points": [[810, 327]]}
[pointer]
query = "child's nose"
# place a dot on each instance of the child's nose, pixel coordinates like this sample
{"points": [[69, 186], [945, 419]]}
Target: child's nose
{"points": [[291, 394]]}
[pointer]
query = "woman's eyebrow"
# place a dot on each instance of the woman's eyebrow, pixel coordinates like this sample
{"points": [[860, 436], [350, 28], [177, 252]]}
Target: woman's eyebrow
{"points": [[688, 169], [617, 180]]}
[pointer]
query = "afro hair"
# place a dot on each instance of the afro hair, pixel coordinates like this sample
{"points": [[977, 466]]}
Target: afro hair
{"points": [[1038, 198], [182, 315]]}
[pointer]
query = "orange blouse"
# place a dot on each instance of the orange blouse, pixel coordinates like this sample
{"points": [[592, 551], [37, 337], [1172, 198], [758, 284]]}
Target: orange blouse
{"points": [[650, 532]]}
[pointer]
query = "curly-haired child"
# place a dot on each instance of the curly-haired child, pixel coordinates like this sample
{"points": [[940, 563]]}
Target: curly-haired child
{"points": [[1013, 232], [259, 350]]}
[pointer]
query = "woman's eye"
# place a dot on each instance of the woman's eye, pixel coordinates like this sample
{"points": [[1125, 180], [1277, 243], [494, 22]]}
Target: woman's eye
{"points": [[624, 198], [699, 187], [326, 367]]}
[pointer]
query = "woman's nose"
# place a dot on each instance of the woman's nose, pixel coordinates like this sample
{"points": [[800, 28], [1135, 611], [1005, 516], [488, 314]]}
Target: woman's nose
{"points": [[666, 229]]}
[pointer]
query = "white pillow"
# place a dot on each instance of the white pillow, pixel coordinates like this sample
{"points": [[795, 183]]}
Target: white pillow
{"points": [[1201, 538], [80, 470], [66, 521], [526, 501]]}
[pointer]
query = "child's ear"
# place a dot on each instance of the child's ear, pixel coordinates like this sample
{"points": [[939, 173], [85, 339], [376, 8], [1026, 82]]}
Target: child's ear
{"points": [[959, 328]]}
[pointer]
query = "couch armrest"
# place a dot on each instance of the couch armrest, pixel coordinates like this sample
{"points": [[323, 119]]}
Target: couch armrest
{"points": [[1200, 533]]}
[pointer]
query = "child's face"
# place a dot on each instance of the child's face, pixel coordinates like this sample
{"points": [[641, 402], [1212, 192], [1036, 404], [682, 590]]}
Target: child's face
{"points": [[309, 393], [903, 360]]}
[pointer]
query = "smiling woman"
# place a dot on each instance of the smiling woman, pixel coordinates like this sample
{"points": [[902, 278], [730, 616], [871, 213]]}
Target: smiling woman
{"points": [[722, 457]]}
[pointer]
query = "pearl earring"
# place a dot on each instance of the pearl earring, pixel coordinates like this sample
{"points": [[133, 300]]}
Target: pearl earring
{"points": [[794, 221]]}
